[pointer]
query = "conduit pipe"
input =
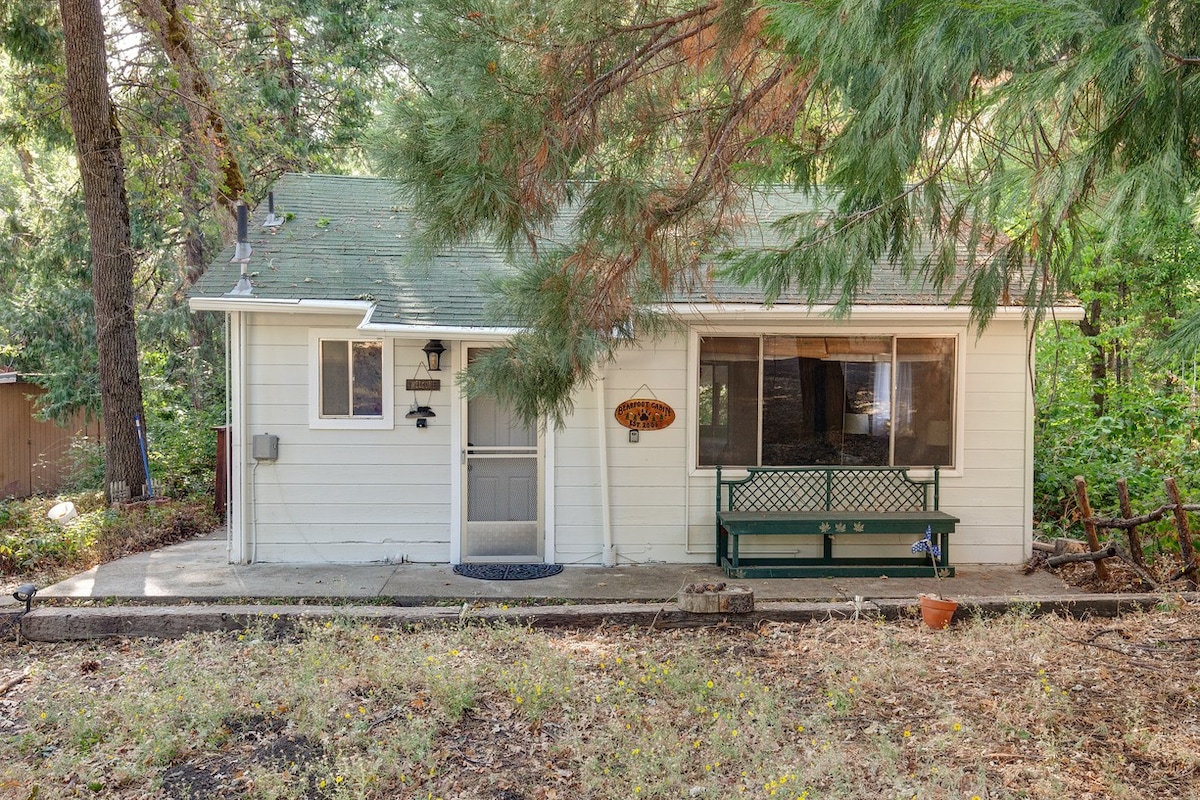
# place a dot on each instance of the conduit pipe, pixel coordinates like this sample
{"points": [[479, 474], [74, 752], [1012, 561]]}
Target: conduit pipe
{"points": [[608, 557]]}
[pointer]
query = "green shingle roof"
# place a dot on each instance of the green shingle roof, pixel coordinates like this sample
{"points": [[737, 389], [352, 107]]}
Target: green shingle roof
{"points": [[352, 238], [347, 238]]}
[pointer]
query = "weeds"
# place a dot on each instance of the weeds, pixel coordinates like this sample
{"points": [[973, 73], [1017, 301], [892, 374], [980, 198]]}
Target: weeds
{"points": [[32, 544], [1000, 708]]}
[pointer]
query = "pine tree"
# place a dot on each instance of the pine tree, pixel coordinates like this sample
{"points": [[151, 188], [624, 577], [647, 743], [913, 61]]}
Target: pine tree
{"points": [[102, 174], [1023, 134]]}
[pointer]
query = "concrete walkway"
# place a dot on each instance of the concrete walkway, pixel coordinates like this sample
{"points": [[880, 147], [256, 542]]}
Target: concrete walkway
{"points": [[191, 586], [197, 571]]}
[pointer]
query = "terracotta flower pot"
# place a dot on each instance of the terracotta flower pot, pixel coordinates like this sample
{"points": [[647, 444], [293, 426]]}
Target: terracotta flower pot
{"points": [[937, 612]]}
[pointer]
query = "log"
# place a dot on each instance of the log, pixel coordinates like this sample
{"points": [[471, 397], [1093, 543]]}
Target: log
{"points": [[1152, 516], [1085, 508], [11, 682], [1186, 551], [1071, 558], [1068, 546], [1043, 547], [1135, 539]]}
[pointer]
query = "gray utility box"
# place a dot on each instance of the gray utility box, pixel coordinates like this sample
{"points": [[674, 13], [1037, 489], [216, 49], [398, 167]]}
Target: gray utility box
{"points": [[265, 447]]}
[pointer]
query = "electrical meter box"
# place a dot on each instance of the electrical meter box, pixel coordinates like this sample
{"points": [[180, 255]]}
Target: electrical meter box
{"points": [[265, 447]]}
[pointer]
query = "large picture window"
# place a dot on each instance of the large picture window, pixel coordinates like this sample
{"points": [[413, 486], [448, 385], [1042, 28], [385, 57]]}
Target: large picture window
{"points": [[820, 400]]}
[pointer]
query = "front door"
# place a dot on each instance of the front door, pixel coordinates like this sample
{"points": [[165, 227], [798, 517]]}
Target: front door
{"points": [[502, 462]]}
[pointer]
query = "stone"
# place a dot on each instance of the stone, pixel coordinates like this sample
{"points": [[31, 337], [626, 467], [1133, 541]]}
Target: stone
{"points": [[725, 600]]}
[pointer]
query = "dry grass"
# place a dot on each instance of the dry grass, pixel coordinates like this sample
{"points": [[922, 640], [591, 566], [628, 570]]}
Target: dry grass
{"points": [[1017, 706]]}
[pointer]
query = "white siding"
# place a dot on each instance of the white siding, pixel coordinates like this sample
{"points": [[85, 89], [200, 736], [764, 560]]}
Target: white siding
{"points": [[375, 495], [340, 495], [664, 510]]}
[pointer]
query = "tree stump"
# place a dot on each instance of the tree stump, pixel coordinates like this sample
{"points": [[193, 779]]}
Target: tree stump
{"points": [[716, 599]]}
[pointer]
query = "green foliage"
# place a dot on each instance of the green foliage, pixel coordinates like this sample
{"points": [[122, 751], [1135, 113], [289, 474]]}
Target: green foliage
{"points": [[30, 543], [983, 148], [1150, 430], [537, 371]]}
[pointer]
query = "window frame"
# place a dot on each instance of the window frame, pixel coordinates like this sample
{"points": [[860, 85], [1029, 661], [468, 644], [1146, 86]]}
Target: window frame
{"points": [[958, 392], [316, 420]]}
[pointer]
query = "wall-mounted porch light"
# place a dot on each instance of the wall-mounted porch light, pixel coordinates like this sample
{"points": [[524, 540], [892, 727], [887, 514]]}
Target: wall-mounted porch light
{"points": [[433, 354]]}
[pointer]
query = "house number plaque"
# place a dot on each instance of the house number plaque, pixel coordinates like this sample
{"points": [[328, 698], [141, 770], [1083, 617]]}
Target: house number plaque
{"points": [[642, 414]]}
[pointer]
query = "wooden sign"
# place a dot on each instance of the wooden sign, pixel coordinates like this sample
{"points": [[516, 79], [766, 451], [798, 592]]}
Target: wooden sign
{"points": [[422, 385], [641, 414]]}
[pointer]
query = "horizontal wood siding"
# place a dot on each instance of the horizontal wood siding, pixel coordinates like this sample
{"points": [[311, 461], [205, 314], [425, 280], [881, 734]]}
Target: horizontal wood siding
{"points": [[992, 496], [989, 493], [342, 495], [352, 495], [647, 480]]}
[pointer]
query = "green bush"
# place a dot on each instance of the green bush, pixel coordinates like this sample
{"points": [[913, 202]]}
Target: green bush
{"points": [[31, 543], [1150, 431]]}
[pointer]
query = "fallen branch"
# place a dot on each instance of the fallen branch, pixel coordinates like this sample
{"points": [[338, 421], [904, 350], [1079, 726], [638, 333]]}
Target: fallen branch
{"points": [[1190, 569], [1043, 547], [1125, 523], [11, 682], [1092, 642], [1069, 558], [1141, 571]]}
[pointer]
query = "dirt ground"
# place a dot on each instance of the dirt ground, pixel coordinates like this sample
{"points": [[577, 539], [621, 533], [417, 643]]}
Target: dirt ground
{"points": [[1019, 706]]}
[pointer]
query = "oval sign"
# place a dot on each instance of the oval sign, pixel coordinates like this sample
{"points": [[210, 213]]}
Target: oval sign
{"points": [[645, 415]]}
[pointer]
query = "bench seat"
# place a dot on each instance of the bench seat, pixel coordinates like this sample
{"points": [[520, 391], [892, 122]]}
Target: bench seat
{"points": [[767, 487]]}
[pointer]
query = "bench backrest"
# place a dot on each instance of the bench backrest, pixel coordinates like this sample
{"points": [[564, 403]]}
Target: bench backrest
{"points": [[879, 489]]}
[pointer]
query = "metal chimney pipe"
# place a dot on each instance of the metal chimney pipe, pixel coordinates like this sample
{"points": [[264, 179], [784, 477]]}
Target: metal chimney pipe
{"points": [[243, 233], [241, 253]]}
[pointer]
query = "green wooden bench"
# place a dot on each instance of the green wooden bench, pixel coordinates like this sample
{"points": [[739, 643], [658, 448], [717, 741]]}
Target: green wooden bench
{"points": [[829, 502]]}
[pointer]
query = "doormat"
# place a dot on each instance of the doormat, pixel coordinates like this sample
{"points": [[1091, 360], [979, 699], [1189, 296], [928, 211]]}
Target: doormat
{"points": [[507, 572]]}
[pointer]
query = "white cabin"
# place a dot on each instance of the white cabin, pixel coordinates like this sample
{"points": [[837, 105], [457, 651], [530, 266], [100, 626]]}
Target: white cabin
{"points": [[373, 464]]}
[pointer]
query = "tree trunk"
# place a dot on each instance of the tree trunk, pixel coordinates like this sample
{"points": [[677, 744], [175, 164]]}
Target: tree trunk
{"points": [[102, 176], [165, 20], [1090, 326]]}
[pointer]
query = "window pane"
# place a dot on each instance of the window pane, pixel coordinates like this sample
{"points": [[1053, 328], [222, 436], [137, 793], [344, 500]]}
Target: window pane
{"points": [[335, 379], [368, 379], [826, 400], [728, 414], [925, 401]]}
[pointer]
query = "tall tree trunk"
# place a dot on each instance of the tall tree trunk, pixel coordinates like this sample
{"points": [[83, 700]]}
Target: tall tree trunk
{"points": [[1090, 326], [102, 175], [166, 21]]}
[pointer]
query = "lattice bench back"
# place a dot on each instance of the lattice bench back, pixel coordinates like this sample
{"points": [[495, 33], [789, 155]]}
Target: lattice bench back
{"points": [[878, 489]]}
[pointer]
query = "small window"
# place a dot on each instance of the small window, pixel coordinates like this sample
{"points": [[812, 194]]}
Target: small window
{"points": [[353, 382], [351, 378]]}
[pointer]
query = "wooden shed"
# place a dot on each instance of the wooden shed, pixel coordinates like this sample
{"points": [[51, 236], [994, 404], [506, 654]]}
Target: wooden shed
{"points": [[35, 455]]}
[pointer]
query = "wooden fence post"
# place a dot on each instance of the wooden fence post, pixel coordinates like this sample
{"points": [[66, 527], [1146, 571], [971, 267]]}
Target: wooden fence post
{"points": [[1089, 527], [1185, 534], [1135, 539]]}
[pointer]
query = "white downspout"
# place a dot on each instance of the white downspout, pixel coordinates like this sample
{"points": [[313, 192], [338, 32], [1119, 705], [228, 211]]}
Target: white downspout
{"points": [[249, 545], [229, 490], [609, 557]]}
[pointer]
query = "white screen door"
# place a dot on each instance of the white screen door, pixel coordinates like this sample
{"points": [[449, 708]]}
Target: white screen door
{"points": [[502, 459]]}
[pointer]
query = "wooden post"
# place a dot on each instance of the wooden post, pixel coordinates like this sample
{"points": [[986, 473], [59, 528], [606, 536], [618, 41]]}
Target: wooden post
{"points": [[1185, 534], [1085, 508], [1135, 539]]}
